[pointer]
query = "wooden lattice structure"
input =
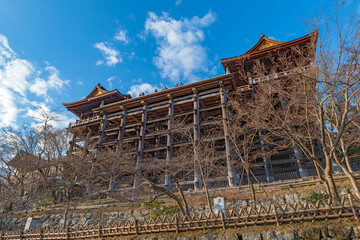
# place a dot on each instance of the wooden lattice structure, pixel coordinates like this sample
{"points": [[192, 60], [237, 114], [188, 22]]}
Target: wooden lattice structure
{"points": [[233, 218], [107, 118]]}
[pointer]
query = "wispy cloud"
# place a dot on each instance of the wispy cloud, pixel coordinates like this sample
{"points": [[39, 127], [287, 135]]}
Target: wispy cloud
{"points": [[122, 36], [109, 80], [111, 55], [274, 38], [178, 2], [293, 34], [180, 54]]}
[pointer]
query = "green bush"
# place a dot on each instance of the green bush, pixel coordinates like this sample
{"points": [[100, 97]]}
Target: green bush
{"points": [[316, 196], [153, 204], [165, 211], [47, 199]]}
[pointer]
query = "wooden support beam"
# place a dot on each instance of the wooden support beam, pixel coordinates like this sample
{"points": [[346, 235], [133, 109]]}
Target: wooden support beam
{"points": [[230, 168], [98, 145], [169, 139], [118, 149], [83, 155], [140, 152], [302, 171], [196, 116], [267, 160], [71, 145]]}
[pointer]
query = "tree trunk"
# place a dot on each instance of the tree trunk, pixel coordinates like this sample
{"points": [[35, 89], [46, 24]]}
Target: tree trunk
{"points": [[67, 194], [334, 196], [208, 198], [168, 193], [347, 161], [186, 206], [321, 178], [350, 176], [251, 186]]}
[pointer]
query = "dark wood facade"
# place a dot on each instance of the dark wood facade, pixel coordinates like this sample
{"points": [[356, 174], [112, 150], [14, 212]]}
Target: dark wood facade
{"points": [[109, 117]]}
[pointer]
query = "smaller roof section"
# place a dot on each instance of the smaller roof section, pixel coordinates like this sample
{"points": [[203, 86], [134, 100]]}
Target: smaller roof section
{"points": [[97, 96], [266, 45], [27, 162]]}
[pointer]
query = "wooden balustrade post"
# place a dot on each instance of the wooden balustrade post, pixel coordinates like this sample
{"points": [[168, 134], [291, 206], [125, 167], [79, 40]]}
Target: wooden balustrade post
{"points": [[356, 216], [276, 215], [177, 224], [223, 220], [21, 234], [41, 234], [2, 236]]}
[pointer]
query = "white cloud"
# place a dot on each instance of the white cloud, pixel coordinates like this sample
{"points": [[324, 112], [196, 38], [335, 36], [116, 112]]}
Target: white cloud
{"points": [[41, 87], [15, 73], [146, 88], [111, 55], [8, 108], [5, 51], [180, 54], [18, 78], [136, 80], [178, 2], [122, 36]]}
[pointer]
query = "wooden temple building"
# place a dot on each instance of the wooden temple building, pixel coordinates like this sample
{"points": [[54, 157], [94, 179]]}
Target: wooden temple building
{"points": [[109, 117]]}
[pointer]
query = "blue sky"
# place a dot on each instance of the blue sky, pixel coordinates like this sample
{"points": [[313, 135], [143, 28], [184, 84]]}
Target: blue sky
{"points": [[54, 52]]}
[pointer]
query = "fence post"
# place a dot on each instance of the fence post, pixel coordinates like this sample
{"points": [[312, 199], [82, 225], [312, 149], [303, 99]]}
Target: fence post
{"points": [[41, 232], [223, 219], [136, 226], [67, 233], [99, 229], [177, 223], [353, 207], [276, 215], [2, 236], [21, 234]]}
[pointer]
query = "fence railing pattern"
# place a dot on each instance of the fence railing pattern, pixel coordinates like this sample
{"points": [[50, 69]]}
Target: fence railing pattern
{"points": [[246, 216]]}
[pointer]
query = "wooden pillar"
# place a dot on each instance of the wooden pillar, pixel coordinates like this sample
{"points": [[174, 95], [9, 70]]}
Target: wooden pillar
{"points": [[230, 168], [169, 139], [196, 116], [140, 152], [98, 145], [83, 155], [267, 160], [157, 142], [120, 138], [297, 153], [71, 145], [302, 170]]}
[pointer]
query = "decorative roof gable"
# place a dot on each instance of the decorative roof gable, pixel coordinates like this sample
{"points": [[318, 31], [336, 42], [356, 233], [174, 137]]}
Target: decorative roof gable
{"points": [[264, 42], [98, 90]]}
